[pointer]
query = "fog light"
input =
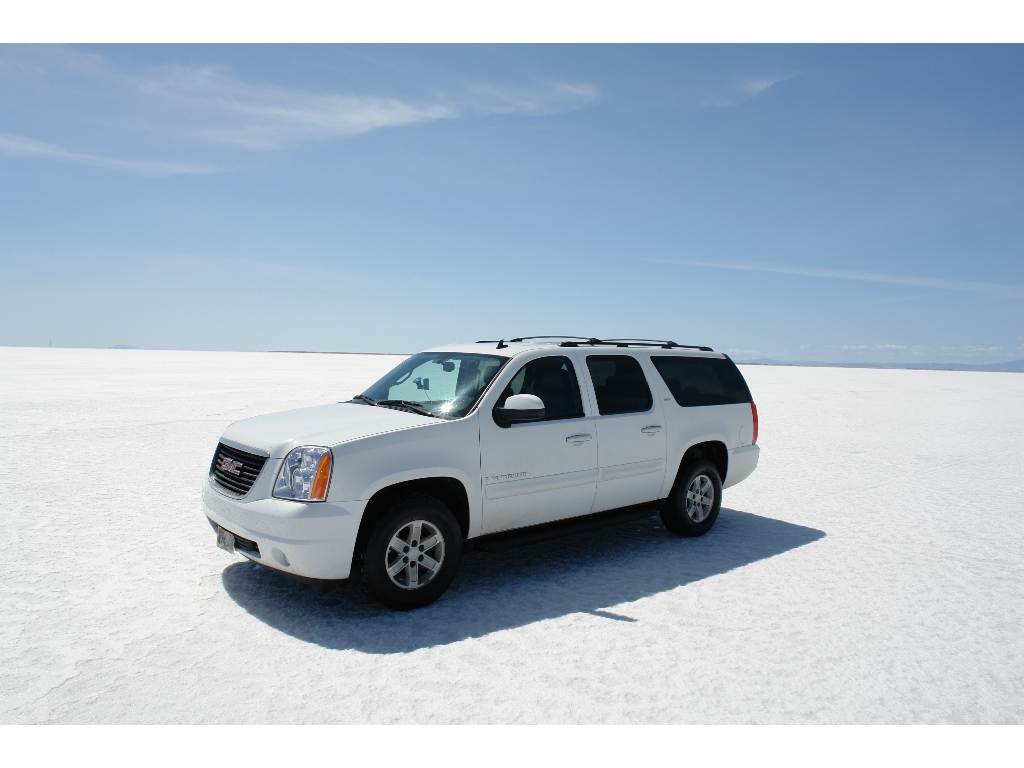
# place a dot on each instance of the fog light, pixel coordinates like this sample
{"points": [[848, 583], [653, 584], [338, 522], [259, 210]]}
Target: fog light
{"points": [[280, 556]]}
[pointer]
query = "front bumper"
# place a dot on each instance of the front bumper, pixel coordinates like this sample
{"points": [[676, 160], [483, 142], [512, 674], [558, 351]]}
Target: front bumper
{"points": [[315, 540]]}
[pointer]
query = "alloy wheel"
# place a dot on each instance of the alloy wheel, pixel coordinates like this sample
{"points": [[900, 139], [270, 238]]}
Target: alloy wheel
{"points": [[414, 555], [700, 498]]}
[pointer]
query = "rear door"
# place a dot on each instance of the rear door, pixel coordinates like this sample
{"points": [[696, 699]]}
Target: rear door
{"points": [[541, 471], [630, 431]]}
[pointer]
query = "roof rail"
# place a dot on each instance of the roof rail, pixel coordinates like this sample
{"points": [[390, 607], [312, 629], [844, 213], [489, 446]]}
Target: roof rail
{"points": [[589, 341], [655, 343], [501, 342]]}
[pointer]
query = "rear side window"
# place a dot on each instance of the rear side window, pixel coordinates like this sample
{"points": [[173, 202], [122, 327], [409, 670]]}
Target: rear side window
{"points": [[697, 381], [553, 380], [619, 384]]}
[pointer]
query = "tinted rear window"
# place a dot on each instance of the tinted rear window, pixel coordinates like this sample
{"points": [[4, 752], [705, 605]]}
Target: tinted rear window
{"points": [[702, 380]]}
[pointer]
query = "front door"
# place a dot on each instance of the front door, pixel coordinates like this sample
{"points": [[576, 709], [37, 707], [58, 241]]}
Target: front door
{"points": [[630, 433], [545, 470]]}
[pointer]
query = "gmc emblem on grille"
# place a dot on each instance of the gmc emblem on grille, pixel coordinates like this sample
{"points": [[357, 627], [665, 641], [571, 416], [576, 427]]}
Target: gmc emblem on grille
{"points": [[229, 465]]}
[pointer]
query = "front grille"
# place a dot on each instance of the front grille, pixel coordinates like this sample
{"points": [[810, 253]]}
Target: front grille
{"points": [[248, 468], [240, 542]]}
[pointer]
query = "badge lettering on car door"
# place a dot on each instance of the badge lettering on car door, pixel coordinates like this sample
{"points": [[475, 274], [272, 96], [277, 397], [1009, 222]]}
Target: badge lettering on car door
{"points": [[509, 476]]}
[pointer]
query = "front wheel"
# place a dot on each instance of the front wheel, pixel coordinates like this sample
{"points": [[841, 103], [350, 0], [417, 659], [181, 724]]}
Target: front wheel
{"points": [[413, 553], [693, 507]]}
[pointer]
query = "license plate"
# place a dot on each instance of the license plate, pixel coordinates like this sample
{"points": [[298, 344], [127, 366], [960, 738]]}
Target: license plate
{"points": [[225, 541]]}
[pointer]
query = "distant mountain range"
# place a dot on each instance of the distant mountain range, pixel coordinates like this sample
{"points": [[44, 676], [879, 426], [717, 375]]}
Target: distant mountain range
{"points": [[1015, 366]]}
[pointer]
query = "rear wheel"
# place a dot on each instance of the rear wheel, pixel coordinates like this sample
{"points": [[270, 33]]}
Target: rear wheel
{"points": [[693, 507], [413, 553]]}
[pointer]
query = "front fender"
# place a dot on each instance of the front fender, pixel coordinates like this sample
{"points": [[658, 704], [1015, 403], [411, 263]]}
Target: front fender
{"points": [[445, 449]]}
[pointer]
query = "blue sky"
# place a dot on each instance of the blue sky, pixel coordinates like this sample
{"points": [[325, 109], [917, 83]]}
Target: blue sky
{"points": [[838, 203]]}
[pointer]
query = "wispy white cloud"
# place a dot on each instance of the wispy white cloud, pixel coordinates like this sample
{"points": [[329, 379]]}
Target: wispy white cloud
{"points": [[871, 347], [187, 108], [758, 85], [226, 110], [971, 286], [745, 352], [973, 350], [541, 98], [888, 353], [970, 351], [729, 94], [270, 117], [19, 146]]}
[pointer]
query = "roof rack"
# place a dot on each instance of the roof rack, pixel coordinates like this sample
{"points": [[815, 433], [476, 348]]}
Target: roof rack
{"points": [[654, 343], [589, 341]]}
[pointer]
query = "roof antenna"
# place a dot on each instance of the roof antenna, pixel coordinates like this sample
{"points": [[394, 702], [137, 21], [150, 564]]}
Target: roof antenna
{"points": [[501, 344]]}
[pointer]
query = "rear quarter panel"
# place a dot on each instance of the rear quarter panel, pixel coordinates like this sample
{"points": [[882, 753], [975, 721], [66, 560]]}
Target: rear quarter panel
{"points": [[685, 427]]}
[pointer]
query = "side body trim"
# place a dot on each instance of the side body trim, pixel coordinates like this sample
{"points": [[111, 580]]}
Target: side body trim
{"points": [[631, 470], [537, 484]]}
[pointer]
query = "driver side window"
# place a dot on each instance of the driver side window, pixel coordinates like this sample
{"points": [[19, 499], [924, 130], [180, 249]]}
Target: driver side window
{"points": [[553, 380]]}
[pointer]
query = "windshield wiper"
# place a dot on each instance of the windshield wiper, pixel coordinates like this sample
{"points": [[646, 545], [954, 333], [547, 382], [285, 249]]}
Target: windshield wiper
{"points": [[407, 404], [414, 407]]}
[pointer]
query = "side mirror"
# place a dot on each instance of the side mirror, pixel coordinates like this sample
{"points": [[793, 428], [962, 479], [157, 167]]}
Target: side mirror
{"points": [[519, 409]]}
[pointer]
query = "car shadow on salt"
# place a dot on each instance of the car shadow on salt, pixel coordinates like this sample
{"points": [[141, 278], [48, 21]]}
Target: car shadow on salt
{"points": [[584, 573]]}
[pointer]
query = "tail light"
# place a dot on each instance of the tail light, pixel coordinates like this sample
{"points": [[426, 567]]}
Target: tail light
{"points": [[753, 412]]}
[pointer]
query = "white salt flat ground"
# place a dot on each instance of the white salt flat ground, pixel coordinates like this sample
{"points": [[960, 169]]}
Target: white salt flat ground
{"points": [[870, 571]]}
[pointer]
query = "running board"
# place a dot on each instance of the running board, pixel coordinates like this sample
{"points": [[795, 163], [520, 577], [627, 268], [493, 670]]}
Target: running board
{"points": [[535, 534]]}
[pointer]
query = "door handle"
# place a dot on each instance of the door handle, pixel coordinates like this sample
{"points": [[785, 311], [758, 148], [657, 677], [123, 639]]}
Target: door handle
{"points": [[578, 439], [651, 429]]}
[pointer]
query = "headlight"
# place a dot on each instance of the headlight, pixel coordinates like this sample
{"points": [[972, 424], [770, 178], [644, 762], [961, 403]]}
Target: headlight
{"points": [[304, 475]]}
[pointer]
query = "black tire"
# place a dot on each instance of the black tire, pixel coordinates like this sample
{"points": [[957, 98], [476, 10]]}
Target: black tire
{"points": [[700, 518], [398, 523]]}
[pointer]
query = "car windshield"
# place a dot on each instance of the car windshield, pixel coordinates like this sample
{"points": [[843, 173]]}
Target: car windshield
{"points": [[444, 385]]}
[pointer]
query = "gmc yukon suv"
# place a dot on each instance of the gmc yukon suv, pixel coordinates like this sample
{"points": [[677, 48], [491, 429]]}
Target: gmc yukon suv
{"points": [[479, 444]]}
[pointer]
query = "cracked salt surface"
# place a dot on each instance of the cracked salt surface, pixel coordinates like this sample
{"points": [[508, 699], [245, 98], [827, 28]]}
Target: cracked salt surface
{"points": [[871, 569]]}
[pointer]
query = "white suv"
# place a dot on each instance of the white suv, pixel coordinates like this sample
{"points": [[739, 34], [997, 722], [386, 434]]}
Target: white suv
{"points": [[483, 444]]}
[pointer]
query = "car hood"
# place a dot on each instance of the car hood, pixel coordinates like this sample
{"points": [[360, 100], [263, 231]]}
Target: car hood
{"points": [[327, 425]]}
